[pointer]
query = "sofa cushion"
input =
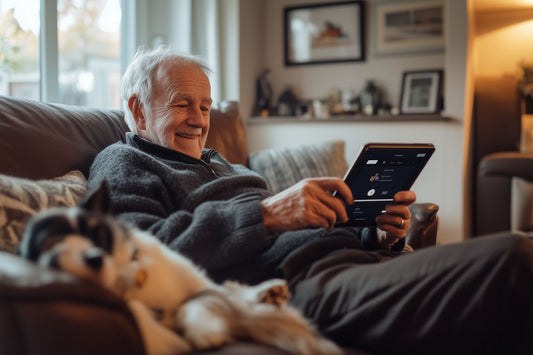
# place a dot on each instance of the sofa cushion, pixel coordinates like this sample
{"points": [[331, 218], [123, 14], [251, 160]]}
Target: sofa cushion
{"points": [[21, 198], [283, 167], [42, 140]]}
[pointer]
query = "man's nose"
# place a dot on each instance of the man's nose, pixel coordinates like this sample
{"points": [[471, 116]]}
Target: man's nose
{"points": [[196, 117]]}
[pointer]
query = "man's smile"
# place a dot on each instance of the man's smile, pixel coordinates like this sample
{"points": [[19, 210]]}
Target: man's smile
{"points": [[187, 135]]}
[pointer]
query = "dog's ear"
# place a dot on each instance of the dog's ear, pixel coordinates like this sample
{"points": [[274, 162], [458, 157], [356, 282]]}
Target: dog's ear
{"points": [[98, 201]]}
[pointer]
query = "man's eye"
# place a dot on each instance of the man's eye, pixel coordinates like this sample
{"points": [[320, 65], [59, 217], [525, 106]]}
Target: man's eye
{"points": [[205, 108]]}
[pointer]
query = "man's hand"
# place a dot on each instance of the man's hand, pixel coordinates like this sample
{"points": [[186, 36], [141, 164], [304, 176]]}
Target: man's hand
{"points": [[394, 224], [309, 203]]}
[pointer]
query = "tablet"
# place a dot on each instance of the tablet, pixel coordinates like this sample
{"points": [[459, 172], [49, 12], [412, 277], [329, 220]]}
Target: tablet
{"points": [[379, 172]]}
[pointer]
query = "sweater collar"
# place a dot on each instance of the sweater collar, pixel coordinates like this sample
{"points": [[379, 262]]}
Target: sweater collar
{"points": [[145, 145]]}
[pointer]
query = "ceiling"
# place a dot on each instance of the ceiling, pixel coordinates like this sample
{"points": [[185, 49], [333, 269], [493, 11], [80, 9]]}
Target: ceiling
{"points": [[499, 5]]}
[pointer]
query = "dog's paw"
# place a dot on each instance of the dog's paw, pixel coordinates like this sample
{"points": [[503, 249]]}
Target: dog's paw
{"points": [[201, 326], [274, 292]]}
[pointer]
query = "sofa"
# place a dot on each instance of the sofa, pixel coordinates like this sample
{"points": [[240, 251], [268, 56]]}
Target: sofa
{"points": [[45, 154]]}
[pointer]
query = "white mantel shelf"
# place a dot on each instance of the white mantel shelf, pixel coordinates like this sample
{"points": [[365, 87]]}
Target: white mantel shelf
{"points": [[348, 118]]}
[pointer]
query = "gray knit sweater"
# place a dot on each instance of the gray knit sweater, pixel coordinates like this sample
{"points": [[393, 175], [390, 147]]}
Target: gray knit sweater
{"points": [[207, 209]]}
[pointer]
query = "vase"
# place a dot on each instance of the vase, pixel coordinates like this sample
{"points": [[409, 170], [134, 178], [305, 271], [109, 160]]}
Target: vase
{"points": [[370, 98]]}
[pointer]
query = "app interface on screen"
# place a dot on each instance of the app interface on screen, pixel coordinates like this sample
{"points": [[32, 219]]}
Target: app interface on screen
{"points": [[380, 176]]}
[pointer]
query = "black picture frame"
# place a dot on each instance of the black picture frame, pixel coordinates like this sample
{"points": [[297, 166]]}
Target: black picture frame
{"points": [[421, 92], [325, 33]]}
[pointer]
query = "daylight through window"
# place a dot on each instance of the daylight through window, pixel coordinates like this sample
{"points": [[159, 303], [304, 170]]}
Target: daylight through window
{"points": [[88, 53]]}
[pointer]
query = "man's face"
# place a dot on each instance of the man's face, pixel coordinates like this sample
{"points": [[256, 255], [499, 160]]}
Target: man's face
{"points": [[178, 116]]}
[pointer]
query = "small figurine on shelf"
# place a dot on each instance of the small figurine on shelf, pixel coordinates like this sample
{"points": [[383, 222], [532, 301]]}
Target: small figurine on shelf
{"points": [[263, 95], [304, 109], [320, 108], [385, 109], [334, 101], [370, 98], [287, 103], [349, 102]]}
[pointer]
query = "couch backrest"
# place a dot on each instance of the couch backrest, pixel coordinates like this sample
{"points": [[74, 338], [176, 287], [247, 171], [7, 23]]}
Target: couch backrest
{"points": [[43, 140], [227, 133]]}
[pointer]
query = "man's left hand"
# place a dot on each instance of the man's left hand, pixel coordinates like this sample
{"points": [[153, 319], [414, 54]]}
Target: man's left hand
{"points": [[396, 221]]}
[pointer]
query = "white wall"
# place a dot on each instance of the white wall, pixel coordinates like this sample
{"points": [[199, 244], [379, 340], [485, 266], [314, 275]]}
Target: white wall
{"points": [[251, 50], [442, 181]]}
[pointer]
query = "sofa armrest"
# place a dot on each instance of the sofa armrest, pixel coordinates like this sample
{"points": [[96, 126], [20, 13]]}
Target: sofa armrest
{"points": [[495, 175], [507, 164], [424, 223], [47, 312]]}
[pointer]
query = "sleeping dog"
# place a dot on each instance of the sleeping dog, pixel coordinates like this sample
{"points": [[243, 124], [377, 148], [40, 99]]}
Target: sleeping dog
{"points": [[177, 307]]}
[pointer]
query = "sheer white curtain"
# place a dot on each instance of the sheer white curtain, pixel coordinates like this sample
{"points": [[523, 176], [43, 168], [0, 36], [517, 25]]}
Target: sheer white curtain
{"points": [[209, 28], [215, 26]]}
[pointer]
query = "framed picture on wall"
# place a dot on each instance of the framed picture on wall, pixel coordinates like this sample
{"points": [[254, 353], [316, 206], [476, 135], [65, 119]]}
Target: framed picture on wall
{"points": [[421, 92], [324, 33], [409, 26]]}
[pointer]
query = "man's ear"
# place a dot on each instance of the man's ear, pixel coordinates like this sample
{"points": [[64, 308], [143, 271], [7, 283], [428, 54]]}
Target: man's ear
{"points": [[136, 109], [98, 201]]}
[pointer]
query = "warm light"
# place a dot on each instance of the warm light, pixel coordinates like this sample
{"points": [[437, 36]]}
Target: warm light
{"points": [[499, 49], [502, 5]]}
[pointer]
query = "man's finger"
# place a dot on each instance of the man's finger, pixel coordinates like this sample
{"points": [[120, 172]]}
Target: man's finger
{"points": [[323, 217], [335, 184], [398, 210], [335, 206], [405, 197], [393, 231]]}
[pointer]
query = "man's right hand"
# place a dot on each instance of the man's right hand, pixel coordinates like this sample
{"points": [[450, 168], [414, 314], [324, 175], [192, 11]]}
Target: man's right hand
{"points": [[309, 203]]}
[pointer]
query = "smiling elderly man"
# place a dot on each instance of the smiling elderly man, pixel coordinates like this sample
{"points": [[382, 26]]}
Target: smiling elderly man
{"points": [[469, 297]]}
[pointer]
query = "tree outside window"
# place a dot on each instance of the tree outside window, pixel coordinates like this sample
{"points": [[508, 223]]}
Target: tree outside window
{"points": [[19, 48], [88, 37]]}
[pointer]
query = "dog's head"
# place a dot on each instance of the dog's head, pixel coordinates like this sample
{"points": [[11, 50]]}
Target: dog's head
{"points": [[86, 241]]}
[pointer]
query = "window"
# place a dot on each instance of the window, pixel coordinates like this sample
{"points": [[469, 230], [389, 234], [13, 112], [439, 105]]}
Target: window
{"points": [[85, 68]]}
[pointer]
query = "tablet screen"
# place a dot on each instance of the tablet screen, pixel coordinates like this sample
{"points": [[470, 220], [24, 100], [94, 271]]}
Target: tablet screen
{"points": [[380, 171]]}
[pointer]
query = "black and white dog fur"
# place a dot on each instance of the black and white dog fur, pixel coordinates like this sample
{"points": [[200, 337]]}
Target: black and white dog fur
{"points": [[177, 307]]}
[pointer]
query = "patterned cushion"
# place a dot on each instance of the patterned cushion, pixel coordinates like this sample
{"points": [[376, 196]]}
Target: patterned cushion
{"points": [[285, 167], [21, 198]]}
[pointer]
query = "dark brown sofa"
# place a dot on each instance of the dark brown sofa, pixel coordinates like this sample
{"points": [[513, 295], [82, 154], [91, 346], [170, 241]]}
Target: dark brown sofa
{"points": [[48, 312]]}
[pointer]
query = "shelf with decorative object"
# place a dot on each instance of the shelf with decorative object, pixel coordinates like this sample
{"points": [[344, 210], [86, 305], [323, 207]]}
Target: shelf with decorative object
{"points": [[348, 118]]}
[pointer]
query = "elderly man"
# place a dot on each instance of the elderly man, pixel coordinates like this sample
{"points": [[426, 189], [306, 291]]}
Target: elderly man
{"points": [[475, 295]]}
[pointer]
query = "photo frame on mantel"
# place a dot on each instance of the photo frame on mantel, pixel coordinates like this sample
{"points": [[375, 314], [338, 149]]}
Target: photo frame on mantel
{"points": [[410, 26], [421, 92], [329, 32]]}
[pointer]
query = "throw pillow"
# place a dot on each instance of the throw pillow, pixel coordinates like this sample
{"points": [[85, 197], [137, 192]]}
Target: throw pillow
{"points": [[21, 198], [283, 167]]}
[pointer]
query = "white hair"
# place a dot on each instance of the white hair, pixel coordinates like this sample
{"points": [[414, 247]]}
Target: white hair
{"points": [[137, 80]]}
